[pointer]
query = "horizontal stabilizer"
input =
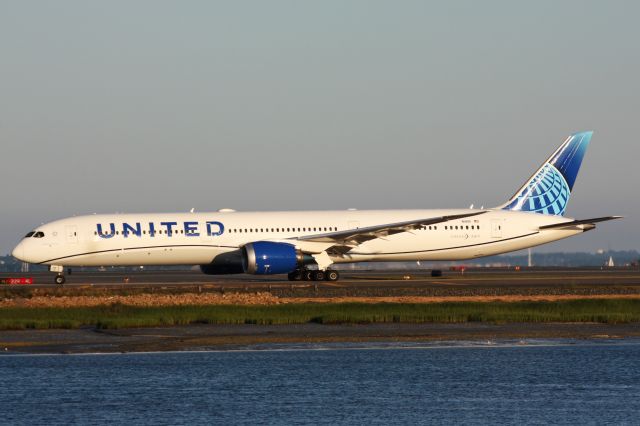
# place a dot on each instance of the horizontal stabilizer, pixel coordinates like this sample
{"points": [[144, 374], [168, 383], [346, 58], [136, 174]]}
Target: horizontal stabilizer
{"points": [[579, 222]]}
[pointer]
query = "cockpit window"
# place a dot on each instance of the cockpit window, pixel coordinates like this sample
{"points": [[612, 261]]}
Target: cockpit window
{"points": [[30, 234], [38, 234]]}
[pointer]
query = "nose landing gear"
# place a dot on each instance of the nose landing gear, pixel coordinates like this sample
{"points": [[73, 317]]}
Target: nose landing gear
{"points": [[59, 279]]}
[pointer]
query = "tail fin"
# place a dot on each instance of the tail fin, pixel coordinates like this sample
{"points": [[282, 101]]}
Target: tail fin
{"points": [[548, 190]]}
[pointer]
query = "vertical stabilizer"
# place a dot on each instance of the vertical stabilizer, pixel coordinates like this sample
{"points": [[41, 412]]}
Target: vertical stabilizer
{"points": [[549, 189]]}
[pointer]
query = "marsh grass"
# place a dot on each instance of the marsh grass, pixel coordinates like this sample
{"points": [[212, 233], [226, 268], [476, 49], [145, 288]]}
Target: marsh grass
{"points": [[124, 316]]}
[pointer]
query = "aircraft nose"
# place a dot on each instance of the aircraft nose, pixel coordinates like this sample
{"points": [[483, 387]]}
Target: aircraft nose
{"points": [[18, 252]]}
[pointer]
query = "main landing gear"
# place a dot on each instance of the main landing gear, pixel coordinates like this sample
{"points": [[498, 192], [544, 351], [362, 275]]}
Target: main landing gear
{"points": [[313, 275]]}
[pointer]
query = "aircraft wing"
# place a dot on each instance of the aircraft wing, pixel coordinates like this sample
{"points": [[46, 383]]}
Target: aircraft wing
{"points": [[573, 223], [343, 241]]}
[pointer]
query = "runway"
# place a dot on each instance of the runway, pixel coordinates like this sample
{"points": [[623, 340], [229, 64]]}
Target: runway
{"points": [[357, 283]]}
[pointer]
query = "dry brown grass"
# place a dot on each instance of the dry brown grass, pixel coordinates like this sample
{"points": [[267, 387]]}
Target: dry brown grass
{"points": [[265, 298]]}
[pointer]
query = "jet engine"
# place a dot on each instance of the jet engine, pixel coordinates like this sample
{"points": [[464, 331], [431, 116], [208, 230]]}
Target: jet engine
{"points": [[267, 257]]}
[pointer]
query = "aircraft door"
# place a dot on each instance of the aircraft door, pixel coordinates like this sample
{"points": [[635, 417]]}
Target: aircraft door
{"points": [[496, 228], [72, 233]]}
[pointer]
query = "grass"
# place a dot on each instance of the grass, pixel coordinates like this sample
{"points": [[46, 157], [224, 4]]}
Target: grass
{"points": [[123, 316]]}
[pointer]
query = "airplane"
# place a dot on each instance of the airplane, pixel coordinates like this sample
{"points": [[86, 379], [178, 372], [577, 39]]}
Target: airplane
{"points": [[305, 244]]}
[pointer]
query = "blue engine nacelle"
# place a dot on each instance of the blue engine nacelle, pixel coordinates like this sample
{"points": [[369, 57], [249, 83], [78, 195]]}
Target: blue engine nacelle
{"points": [[267, 257]]}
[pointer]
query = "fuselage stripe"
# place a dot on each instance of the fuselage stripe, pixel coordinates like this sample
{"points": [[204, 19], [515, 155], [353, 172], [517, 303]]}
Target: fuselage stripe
{"points": [[236, 247]]}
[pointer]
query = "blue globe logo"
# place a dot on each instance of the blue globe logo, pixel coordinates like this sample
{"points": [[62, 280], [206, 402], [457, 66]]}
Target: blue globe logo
{"points": [[546, 193]]}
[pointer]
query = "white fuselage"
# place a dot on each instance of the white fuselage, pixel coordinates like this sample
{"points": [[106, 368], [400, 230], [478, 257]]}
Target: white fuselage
{"points": [[198, 238]]}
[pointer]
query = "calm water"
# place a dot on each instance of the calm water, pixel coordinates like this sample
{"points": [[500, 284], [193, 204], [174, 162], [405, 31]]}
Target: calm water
{"points": [[560, 382]]}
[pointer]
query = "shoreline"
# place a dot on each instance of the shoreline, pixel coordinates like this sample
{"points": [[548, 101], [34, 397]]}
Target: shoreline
{"points": [[182, 312], [202, 337]]}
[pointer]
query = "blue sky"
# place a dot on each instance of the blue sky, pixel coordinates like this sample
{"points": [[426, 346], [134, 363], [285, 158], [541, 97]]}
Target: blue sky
{"points": [[164, 106]]}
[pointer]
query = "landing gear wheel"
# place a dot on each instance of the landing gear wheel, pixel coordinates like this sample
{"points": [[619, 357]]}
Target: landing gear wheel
{"points": [[307, 275], [317, 275], [59, 279], [332, 276], [295, 275]]}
